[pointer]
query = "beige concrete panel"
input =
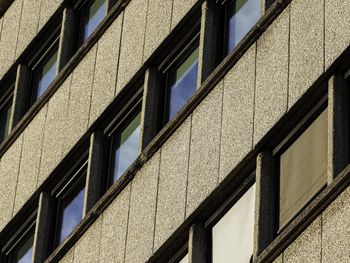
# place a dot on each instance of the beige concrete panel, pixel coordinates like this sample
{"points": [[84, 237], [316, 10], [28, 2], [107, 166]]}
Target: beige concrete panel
{"points": [[205, 149], [180, 9], [8, 180], [336, 230], [307, 247], [106, 69], [158, 25], [29, 24], [79, 100], [306, 46], [30, 160], [69, 257], [337, 29], [114, 229], [279, 259], [48, 8], [9, 36], [237, 119], [143, 201], [172, 183], [133, 35], [271, 93]]}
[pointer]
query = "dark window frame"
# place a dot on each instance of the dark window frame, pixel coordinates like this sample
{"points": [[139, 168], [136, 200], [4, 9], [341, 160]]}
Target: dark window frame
{"points": [[182, 252], [5, 99]]}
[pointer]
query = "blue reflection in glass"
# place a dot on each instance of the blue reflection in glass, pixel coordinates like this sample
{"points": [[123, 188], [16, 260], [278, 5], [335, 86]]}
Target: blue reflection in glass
{"points": [[182, 83], [95, 14], [242, 16], [126, 147], [24, 252], [72, 212]]}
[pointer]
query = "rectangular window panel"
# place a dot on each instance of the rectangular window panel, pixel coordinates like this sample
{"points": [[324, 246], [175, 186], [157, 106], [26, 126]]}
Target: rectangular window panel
{"points": [[232, 236], [303, 169], [241, 16], [93, 16], [5, 115], [125, 146], [182, 83]]}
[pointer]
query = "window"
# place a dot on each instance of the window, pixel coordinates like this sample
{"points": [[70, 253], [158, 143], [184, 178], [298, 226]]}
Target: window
{"points": [[232, 236], [303, 169], [5, 112], [240, 17], [69, 201], [181, 79], [184, 259]]}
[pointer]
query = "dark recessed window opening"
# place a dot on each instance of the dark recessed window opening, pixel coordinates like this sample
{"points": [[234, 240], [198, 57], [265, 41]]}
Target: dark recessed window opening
{"points": [[5, 113], [184, 259]]}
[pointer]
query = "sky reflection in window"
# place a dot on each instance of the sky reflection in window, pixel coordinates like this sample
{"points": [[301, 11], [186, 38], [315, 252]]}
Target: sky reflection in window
{"points": [[24, 252], [95, 14]]}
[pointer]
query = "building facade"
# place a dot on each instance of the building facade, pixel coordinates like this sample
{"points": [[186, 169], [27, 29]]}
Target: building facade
{"points": [[174, 131]]}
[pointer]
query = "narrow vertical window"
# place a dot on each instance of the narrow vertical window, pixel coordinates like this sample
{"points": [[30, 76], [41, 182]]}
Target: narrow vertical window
{"points": [[5, 114]]}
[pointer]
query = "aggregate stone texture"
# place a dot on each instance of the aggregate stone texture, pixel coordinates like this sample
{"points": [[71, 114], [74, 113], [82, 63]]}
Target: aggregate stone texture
{"points": [[337, 29], [143, 201], [55, 129], [69, 257], [29, 24], [271, 93], [336, 230], [158, 25], [79, 100], [307, 247], [8, 180], [205, 149], [172, 183], [9, 33], [86, 250], [1, 20], [30, 159], [133, 35], [279, 259], [306, 46], [104, 85], [114, 228], [180, 9], [237, 117], [48, 8]]}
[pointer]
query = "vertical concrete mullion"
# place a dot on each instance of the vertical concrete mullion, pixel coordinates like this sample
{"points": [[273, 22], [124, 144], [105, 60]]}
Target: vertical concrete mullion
{"points": [[266, 202], [208, 40], [198, 244], [20, 95], [67, 42], [338, 126], [151, 108], [94, 178], [43, 229]]}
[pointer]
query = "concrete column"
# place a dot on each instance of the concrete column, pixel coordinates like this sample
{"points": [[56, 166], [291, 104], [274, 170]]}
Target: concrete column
{"points": [[338, 125], [266, 202], [209, 39], [151, 106], [43, 229], [95, 170], [198, 244]]}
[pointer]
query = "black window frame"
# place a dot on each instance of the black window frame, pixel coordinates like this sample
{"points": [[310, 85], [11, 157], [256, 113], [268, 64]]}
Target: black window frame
{"points": [[182, 252], [5, 99]]}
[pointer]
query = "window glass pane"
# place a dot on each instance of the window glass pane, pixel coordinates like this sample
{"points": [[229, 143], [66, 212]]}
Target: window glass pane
{"points": [[23, 253], [185, 259], [241, 17], [303, 169], [95, 14], [182, 83], [5, 113], [44, 75], [233, 235], [125, 147]]}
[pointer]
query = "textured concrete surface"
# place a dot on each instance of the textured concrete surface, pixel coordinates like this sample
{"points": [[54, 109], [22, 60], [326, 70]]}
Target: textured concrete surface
{"points": [[337, 29], [205, 149], [180, 9], [9, 33], [279, 259], [29, 24], [8, 180], [114, 228], [143, 201], [30, 159], [48, 8], [336, 230], [105, 74], [158, 25], [133, 35], [87, 247], [307, 247], [172, 183], [79, 100], [69, 257], [237, 129], [271, 92], [306, 46]]}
